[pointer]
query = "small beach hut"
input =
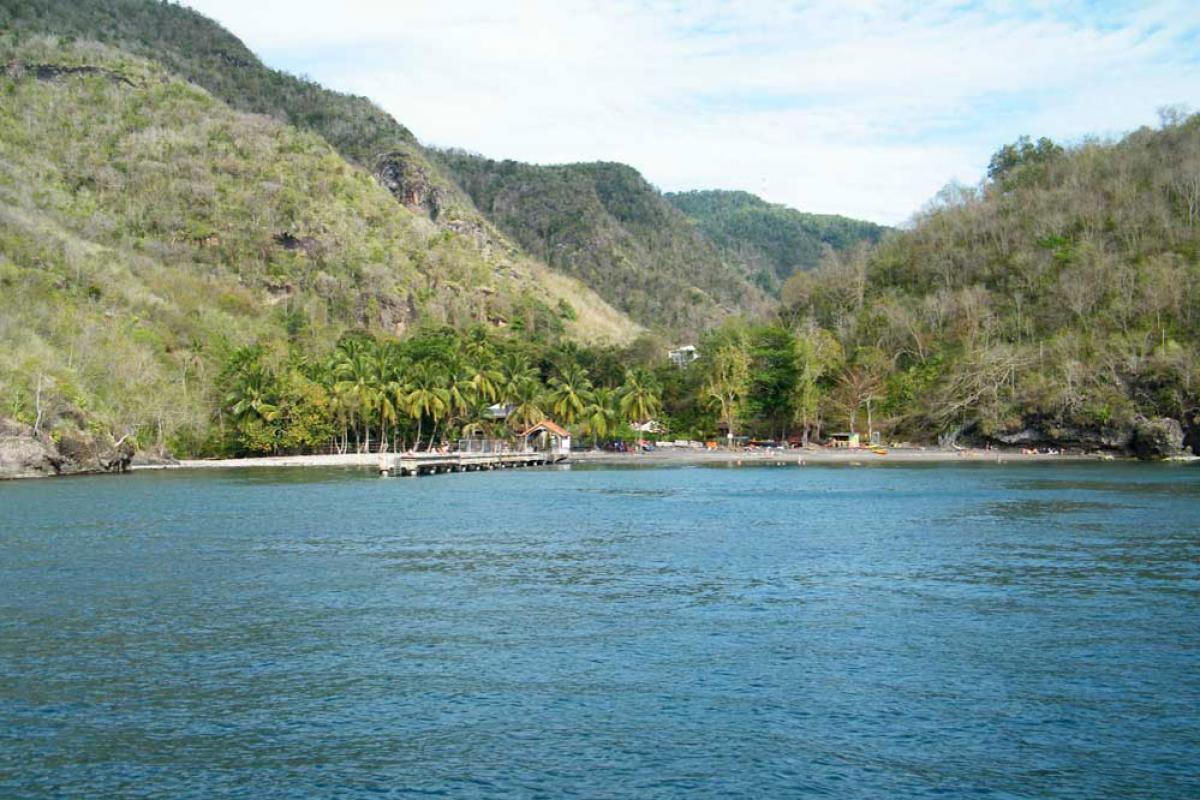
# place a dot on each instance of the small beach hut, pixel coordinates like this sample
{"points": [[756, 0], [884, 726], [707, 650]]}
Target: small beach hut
{"points": [[849, 439], [547, 437]]}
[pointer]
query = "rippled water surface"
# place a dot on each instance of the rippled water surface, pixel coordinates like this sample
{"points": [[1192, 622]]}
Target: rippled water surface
{"points": [[961, 631]]}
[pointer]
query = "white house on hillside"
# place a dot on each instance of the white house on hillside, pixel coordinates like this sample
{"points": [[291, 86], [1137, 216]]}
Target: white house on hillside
{"points": [[682, 356]]}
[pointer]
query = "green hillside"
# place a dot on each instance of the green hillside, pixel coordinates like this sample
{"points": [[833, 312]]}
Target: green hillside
{"points": [[604, 224], [209, 255], [147, 231], [772, 240], [1061, 303], [202, 52]]}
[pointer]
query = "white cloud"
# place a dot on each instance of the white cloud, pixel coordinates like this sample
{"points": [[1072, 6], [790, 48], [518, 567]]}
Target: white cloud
{"points": [[863, 108]]}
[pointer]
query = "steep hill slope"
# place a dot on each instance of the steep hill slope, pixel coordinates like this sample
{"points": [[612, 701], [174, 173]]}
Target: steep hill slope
{"points": [[772, 240], [1060, 304], [606, 225], [146, 229], [202, 52]]}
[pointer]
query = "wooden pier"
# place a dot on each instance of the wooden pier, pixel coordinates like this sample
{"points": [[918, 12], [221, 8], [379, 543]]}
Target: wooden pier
{"points": [[410, 465]]}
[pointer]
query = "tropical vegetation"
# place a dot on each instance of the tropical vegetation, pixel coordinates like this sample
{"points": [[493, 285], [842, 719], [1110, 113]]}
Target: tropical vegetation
{"points": [[773, 241], [206, 256], [424, 391]]}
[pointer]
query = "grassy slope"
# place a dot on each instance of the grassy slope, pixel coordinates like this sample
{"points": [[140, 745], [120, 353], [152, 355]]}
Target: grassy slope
{"points": [[605, 224], [144, 232], [201, 51], [774, 241]]}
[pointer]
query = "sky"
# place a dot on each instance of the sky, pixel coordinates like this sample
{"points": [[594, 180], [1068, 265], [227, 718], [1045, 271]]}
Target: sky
{"points": [[854, 107]]}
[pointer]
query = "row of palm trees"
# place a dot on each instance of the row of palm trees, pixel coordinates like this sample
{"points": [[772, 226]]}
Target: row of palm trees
{"points": [[379, 394]]}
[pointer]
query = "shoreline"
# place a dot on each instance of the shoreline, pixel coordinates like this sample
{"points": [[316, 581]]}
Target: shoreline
{"points": [[822, 455], [681, 457]]}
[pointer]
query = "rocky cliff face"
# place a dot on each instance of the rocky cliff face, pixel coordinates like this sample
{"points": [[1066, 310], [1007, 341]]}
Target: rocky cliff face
{"points": [[26, 455]]}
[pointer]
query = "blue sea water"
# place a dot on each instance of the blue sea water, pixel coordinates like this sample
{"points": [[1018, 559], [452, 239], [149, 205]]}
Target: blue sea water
{"points": [[994, 631]]}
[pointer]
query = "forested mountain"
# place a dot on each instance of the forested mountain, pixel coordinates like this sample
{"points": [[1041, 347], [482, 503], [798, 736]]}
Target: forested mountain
{"points": [[604, 224], [1059, 302], [148, 231], [203, 254], [199, 50], [599, 222], [773, 241]]}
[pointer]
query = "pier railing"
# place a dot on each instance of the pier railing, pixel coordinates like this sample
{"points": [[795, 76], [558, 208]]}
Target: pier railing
{"points": [[413, 464]]}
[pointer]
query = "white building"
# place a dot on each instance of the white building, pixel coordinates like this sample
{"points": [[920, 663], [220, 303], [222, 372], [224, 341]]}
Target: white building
{"points": [[682, 356]]}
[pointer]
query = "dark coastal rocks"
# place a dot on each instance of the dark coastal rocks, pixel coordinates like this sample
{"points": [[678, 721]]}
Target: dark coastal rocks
{"points": [[26, 455], [148, 459], [1157, 438], [1148, 439], [87, 453], [1106, 438], [23, 455]]}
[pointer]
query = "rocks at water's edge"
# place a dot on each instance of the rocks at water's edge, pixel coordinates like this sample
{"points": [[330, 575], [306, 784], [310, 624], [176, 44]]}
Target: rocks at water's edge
{"points": [[1157, 438], [1148, 439], [26, 455]]}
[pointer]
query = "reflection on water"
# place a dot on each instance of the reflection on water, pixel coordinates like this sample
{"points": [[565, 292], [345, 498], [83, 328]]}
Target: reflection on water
{"points": [[1008, 631]]}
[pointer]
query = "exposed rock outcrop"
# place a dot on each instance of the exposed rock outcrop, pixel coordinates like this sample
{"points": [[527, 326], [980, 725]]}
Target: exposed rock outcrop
{"points": [[26, 455], [409, 184], [1157, 438], [1109, 438], [1146, 438], [147, 459], [51, 72], [23, 455]]}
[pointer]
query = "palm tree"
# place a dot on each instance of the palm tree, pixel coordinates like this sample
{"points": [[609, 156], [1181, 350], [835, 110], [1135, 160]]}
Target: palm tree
{"points": [[460, 394], [393, 391], [357, 376], [528, 406], [570, 392], [485, 379], [601, 418], [515, 371], [344, 408], [477, 419], [427, 397], [252, 395], [641, 398], [389, 413], [477, 345]]}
